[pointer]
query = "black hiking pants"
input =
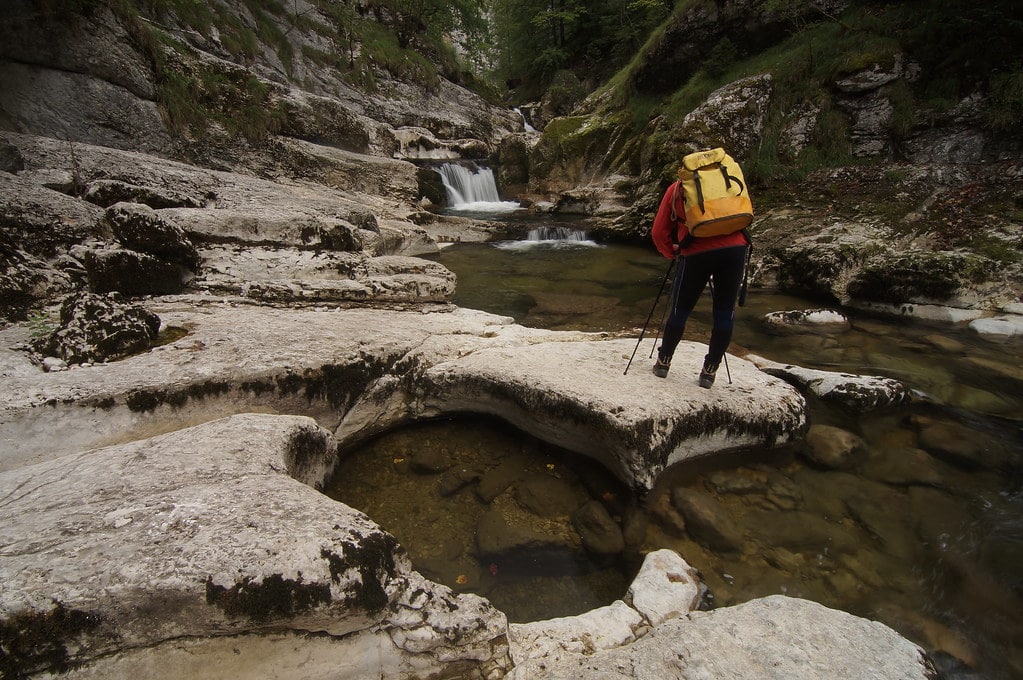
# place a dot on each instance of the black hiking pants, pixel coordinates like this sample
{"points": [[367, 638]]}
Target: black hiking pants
{"points": [[724, 267]]}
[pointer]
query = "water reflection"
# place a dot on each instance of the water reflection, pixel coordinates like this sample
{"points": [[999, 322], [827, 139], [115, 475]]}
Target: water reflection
{"points": [[922, 529]]}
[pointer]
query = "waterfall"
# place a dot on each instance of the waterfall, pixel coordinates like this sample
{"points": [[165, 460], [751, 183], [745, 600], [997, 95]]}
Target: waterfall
{"points": [[525, 123], [473, 191]]}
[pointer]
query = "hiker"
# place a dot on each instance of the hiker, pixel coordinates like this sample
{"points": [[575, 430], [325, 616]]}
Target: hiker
{"points": [[719, 259]]}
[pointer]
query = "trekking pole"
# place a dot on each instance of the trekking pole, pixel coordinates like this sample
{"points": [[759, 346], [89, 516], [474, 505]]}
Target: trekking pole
{"points": [[660, 326], [650, 315], [728, 373]]}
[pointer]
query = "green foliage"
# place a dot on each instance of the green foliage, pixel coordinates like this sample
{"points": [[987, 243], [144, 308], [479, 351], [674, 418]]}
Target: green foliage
{"points": [[240, 102], [538, 38], [1005, 102], [564, 92], [721, 58]]}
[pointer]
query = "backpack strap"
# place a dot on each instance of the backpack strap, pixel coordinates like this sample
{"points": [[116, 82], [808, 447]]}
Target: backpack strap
{"points": [[699, 189]]}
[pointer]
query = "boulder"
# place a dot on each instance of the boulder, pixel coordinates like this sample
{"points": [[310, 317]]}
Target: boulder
{"points": [[96, 328], [131, 273], [732, 116], [138, 227]]}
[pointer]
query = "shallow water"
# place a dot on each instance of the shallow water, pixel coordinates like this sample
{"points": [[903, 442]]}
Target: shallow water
{"points": [[930, 545]]}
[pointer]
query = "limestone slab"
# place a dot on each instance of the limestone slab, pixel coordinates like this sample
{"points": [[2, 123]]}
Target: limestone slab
{"points": [[208, 531]]}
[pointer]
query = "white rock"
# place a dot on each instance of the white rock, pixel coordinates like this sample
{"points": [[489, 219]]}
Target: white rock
{"points": [[1008, 325], [371, 370], [54, 364], [205, 532], [666, 587], [773, 638], [806, 320]]}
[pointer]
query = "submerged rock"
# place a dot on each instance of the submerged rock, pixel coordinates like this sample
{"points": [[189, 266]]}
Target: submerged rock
{"points": [[832, 447]]}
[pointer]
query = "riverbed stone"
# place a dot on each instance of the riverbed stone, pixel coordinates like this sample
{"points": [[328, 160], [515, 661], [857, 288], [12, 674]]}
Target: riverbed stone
{"points": [[547, 496], [832, 447], [507, 534], [599, 533], [707, 520], [963, 446], [906, 466]]}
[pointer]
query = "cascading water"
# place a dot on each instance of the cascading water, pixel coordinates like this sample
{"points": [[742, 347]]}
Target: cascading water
{"points": [[549, 237], [557, 234], [473, 191], [525, 122]]}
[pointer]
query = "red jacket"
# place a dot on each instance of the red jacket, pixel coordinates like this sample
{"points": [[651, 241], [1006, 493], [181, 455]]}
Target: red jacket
{"points": [[669, 229]]}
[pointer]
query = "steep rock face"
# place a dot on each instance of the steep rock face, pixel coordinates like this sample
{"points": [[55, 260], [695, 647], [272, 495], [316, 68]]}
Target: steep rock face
{"points": [[106, 79]]}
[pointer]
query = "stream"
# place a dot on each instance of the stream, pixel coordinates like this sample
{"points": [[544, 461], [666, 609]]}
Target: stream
{"points": [[931, 545]]}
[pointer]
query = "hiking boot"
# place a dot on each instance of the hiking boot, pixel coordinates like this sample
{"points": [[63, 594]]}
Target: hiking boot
{"points": [[708, 373], [661, 366]]}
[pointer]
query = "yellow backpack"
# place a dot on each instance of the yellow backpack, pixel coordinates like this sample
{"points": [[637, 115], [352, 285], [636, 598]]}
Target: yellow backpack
{"points": [[717, 200]]}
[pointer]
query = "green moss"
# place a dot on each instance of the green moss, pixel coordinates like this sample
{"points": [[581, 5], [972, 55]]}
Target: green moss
{"points": [[918, 275]]}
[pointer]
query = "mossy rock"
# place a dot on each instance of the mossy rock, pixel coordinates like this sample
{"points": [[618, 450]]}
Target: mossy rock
{"points": [[919, 275]]}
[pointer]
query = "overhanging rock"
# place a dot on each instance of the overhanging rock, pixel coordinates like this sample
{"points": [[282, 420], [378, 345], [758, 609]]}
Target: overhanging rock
{"points": [[576, 394], [360, 372]]}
